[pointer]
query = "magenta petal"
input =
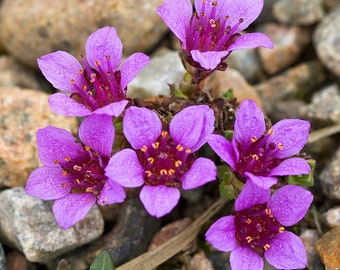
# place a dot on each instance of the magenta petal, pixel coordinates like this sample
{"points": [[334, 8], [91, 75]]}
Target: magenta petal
{"points": [[291, 166], [72, 208], [141, 126], [292, 134], [249, 123], [104, 46], [251, 195], [251, 41], [202, 171], [286, 252], [97, 132], [125, 169], [222, 148], [159, 200], [221, 234], [131, 67], [289, 204], [265, 182], [191, 126], [111, 193], [62, 104], [48, 183], [208, 60], [60, 68], [114, 109], [176, 14], [245, 259], [56, 144]]}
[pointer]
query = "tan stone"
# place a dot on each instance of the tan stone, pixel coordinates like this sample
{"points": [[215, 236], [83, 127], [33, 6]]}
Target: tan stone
{"points": [[23, 112], [328, 248]]}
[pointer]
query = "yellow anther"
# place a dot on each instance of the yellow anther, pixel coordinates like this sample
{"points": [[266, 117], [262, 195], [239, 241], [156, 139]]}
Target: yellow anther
{"points": [[248, 220], [179, 147], [64, 173], [97, 63], [56, 161], [280, 146], [281, 229], [241, 20], [89, 189], [270, 132], [226, 17], [268, 211], [80, 72], [254, 139], [67, 159], [87, 148], [84, 87], [155, 145], [164, 133], [171, 171], [178, 163], [163, 172], [64, 185], [150, 160], [212, 23], [77, 181], [148, 173], [73, 81], [249, 239], [187, 151], [266, 247], [255, 156], [77, 168], [107, 56], [144, 149], [214, 3]]}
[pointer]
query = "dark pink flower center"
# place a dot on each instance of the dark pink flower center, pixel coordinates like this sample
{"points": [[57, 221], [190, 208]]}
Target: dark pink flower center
{"points": [[208, 31], [100, 88], [259, 157], [87, 172], [165, 162], [256, 227]]}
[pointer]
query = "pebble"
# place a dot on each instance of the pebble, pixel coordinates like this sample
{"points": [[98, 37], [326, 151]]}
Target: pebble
{"points": [[326, 39], [289, 43], [2, 258], [199, 262], [309, 238], [154, 79], [28, 224], [328, 248], [23, 112], [297, 81], [301, 12], [332, 217], [65, 25], [330, 177], [324, 107], [15, 260]]}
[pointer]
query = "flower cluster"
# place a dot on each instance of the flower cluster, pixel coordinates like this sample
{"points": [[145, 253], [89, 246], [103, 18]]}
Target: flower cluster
{"points": [[161, 154]]}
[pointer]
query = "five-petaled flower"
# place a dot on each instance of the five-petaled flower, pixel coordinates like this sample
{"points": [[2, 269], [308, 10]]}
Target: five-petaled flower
{"points": [[212, 31], [99, 87], [254, 154], [257, 228], [73, 173], [163, 160]]}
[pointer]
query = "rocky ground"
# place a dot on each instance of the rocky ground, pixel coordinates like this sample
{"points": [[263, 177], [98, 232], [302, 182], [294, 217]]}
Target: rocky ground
{"points": [[299, 78]]}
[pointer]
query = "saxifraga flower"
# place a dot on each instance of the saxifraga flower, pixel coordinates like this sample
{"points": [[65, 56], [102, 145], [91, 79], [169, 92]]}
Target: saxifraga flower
{"points": [[163, 158], [257, 228], [99, 87], [261, 156], [73, 173], [210, 32]]}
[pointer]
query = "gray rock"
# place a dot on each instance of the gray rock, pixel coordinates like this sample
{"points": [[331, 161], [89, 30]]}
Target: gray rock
{"points": [[41, 27], [309, 238], [326, 39], [324, 107], [332, 216], [330, 177], [301, 12], [27, 224], [2, 259], [155, 78]]}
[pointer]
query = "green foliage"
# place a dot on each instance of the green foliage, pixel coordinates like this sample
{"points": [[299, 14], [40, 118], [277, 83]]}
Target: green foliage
{"points": [[229, 95], [305, 180], [229, 185], [103, 262]]}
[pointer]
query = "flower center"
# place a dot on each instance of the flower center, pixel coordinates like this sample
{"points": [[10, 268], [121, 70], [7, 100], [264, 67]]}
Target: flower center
{"points": [[87, 172], [209, 31], [165, 162], [255, 227], [259, 157], [99, 88]]}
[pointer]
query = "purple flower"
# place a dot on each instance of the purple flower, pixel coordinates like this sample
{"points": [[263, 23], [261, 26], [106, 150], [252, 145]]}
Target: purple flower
{"points": [[162, 160], [260, 156], [73, 173], [257, 228], [212, 31], [97, 88]]}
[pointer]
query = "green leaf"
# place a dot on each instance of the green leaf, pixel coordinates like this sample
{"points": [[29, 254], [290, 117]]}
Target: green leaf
{"points": [[229, 95], [305, 180], [103, 262]]}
